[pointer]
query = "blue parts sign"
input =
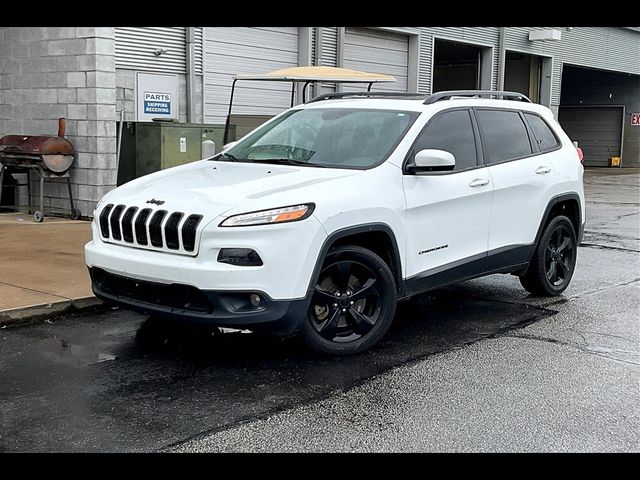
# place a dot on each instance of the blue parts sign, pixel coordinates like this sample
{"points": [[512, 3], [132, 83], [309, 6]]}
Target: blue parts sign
{"points": [[157, 103], [156, 97]]}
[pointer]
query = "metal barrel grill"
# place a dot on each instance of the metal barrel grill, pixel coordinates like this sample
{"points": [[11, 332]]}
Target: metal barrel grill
{"points": [[50, 157]]}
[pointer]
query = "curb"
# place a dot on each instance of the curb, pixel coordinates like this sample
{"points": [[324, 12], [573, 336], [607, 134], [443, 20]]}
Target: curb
{"points": [[15, 316]]}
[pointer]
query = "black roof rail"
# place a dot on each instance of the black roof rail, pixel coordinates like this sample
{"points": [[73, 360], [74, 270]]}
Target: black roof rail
{"points": [[378, 94], [446, 95]]}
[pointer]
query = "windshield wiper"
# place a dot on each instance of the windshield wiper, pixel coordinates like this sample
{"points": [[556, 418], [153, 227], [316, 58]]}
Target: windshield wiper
{"points": [[230, 157], [289, 161]]}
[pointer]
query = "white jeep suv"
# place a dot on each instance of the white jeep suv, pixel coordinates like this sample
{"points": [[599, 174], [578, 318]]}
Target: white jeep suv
{"points": [[320, 220]]}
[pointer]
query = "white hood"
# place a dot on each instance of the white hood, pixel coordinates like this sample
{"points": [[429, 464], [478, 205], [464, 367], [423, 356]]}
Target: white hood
{"points": [[211, 188]]}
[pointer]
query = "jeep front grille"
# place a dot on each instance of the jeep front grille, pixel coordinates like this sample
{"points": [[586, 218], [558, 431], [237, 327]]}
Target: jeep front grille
{"points": [[159, 230]]}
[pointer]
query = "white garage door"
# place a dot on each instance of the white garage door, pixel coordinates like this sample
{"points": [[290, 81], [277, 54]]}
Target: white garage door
{"points": [[238, 50], [377, 51]]}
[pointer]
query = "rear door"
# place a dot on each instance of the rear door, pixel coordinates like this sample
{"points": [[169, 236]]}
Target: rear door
{"points": [[522, 176], [448, 213]]}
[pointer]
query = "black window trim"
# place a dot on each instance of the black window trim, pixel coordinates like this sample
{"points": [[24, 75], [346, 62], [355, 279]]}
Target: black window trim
{"points": [[558, 145], [476, 135], [534, 146]]}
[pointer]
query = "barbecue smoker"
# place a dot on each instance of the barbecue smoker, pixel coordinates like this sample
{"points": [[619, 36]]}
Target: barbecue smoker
{"points": [[50, 157]]}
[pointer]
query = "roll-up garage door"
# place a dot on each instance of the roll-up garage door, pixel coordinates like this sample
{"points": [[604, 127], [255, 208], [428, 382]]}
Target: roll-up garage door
{"points": [[598, 131], [377, 51], [245, 50], [135, 47]]}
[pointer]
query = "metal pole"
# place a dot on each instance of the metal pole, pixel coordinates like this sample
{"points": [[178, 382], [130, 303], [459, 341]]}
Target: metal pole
{"points": [[369, 87], [1, 180], [226, 125], [71, 205], [29, 189], [191, 74], [304, 92], [293, 91], [501, 59], [41, 173], [119, 143]]}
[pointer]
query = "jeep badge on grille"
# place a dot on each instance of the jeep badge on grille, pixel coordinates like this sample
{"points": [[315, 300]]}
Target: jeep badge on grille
{"points": [[155, 202]]}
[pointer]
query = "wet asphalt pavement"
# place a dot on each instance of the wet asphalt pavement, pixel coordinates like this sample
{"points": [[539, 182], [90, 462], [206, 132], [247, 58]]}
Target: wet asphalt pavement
{"points": [[479, 366]]}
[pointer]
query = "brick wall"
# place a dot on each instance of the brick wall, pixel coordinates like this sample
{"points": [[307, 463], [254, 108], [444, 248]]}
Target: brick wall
{"points": [[51, 72]]}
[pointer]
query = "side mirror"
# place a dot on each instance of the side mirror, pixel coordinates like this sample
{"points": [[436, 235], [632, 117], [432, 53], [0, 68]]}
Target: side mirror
{"points": [[230, 144], [431, 160]]}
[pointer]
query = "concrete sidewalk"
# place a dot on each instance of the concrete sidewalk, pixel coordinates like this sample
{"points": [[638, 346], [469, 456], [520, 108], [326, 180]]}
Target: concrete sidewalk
{"points": [[42, 269]]}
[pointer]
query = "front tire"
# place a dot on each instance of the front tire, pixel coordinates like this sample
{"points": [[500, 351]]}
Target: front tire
{"points": [[353, 304], [554, 260]]}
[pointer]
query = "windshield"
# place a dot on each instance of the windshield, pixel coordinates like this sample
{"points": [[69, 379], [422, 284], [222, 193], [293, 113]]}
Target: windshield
{"points": [[325, 137]]}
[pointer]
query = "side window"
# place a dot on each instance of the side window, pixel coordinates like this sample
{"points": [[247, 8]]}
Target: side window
{"points": [[453, 132], [544, 136], [504, 135]]}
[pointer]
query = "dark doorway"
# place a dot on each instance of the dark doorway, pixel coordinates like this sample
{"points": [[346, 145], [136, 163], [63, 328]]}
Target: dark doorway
{"points": [[456, 66], [595, 110], [523, 74]]}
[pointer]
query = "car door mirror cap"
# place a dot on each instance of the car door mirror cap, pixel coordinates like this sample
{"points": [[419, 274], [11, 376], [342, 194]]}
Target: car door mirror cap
{"points": [[432, 160]]}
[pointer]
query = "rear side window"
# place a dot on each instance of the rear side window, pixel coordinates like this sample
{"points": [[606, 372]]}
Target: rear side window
{"points": [[452, 132], [544, 136], [504, 135]]}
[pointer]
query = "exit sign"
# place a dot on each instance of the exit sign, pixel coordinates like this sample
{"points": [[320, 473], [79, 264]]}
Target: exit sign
{"points": [[635, 119]]}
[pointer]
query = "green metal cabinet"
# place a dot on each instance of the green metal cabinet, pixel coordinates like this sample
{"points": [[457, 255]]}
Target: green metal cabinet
{"points": [[148, 147]]}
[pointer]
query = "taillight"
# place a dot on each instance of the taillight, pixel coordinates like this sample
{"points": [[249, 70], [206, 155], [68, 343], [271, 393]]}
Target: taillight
{"points": [[580, 154]]}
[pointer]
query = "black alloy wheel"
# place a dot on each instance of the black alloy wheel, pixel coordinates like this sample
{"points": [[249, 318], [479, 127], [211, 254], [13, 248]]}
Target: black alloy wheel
{"points": [[558, 256], [353, 303], [554, 260]]}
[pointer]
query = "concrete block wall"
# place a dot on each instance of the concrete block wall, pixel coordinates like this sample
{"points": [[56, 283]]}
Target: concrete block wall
{"points": [[126, 100], [51, 72]]}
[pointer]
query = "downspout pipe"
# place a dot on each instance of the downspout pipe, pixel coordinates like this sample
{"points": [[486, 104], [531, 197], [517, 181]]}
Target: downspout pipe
{"points": [[191, 74], [502, 54]]}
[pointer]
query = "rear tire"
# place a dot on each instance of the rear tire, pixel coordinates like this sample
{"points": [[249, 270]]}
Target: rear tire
{"points": [[353, 304], [554, 260]]}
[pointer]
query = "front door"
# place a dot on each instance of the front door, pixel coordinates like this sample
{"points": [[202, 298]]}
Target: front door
{"points": [[448, 213]]}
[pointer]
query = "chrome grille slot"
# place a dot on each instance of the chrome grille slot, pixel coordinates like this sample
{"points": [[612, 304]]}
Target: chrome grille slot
{"points": [[171, 230], [155, 228], [189, 232], [115, 222], [127, 224], [104, 220]]}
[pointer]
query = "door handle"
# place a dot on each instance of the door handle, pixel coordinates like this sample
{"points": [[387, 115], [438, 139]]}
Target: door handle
{"points": [[543, 169], [479, 182]]}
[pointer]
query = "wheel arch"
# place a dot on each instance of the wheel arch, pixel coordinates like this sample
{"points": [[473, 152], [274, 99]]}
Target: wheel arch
{"points": [[377, 237], [564, 204]]}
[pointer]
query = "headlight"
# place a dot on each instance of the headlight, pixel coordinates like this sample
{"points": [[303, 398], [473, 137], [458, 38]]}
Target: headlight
{"points": [[275, 215]]}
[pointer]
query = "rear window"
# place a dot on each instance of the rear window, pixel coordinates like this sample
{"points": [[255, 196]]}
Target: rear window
{"points": [[504, 135], [543, 133]]}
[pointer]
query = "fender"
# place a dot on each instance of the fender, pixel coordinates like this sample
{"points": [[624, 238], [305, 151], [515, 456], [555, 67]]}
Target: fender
{"points": [[560, 198], [353, 230]]}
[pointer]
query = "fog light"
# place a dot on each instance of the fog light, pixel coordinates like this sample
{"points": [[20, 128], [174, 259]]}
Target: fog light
{"points": [[255, 299], [242, 257]]}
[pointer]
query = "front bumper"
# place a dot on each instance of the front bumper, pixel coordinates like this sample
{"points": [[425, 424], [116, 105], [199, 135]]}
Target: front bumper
{"points": [[185, 302], [288, 251]]}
